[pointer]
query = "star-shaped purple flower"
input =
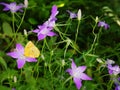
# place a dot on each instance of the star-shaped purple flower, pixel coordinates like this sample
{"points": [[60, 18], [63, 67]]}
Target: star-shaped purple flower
{"points": [[13, 7], [77, 74], [18, 54], [43, 32], [47, 27], [103, 24], [72, 15]]}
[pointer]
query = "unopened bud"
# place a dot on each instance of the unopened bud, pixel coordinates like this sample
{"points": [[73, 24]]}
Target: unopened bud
{"points": [[63, 62], [79, 14], [25, 32], [25, 3], [15, 79]]}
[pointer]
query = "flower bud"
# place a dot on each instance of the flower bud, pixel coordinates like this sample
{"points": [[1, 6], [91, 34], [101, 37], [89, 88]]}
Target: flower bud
{"points": [[25, 3], [79, 15]]}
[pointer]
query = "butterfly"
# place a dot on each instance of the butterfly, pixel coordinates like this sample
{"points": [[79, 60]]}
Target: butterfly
{"points": [[31, 50]]}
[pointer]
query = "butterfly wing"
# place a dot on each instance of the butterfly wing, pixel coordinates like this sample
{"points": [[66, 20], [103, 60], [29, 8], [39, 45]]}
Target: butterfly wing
{"points": [[31, 50]]}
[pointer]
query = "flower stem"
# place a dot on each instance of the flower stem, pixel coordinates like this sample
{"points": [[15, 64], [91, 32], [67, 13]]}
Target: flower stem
{"points": [[76, 35]]}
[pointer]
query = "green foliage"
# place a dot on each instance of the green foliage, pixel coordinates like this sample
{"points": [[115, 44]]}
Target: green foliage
{"points": [[7, 30], [82, 41]]}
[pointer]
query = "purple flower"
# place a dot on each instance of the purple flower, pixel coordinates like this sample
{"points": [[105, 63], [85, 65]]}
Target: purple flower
{"points": [[117, 88], [117, 83], [18, 53], [77, 74], [47, 27], [115, 70], [13, 7], [72, 15], [103, 24], [13, 89], [43, 32]]}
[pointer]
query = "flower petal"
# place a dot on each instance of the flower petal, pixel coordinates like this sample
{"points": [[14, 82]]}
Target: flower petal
{"points": [[36, 30], [73, 65], [83, 76], [51, 34], [19, 48], [41, 36], [20, 63], [77, 83], [6, 9], [81, 68], [54, 11], [13, 54], [69, 71], [31, 59]]}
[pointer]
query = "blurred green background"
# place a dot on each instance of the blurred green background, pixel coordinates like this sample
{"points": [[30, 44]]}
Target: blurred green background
{"points": [[39, 10]]}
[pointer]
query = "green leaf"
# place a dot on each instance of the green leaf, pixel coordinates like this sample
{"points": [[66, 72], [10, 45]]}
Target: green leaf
{"points": [[3, 63], [7, 29], [4, 88], [32, 21]]}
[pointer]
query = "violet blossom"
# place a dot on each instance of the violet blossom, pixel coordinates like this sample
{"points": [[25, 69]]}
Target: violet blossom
{"points": [[13, 7], [117, 83], [18, 54], [47, 27], [103, 24], [72, 15], [115, 70], [77, 74], [117, 87]]}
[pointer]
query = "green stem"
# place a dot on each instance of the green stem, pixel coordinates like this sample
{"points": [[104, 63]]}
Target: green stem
{"points": [[67, 80], [76, 35], [69, 20], [21, 21], [13, 22]]}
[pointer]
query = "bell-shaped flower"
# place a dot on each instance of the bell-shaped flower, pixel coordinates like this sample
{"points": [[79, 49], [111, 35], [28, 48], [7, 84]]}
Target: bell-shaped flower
{"points": [[77, 74], [43, 32], [18, 54], [47, 27], [13, 7], [72, 14], [115, 70], [103, 24]]}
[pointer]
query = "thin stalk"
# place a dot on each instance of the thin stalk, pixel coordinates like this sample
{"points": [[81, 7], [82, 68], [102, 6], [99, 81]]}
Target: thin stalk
{"points": [[76, 35]]}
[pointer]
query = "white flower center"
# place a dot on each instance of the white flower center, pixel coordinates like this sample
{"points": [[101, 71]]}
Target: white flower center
{"points": [[45, 31], [12, 7], [76, 73]]}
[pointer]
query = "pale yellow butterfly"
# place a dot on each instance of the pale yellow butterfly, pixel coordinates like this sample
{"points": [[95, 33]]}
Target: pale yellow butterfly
{"points": [[31, 50]]}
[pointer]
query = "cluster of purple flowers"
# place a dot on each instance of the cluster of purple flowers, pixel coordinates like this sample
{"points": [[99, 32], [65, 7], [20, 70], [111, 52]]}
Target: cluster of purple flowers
{"points": [[45, 30], [114, 70], [47, 27]]}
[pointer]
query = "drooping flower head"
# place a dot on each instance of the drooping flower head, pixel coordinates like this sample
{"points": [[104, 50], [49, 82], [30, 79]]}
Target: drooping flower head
{"points": [[13, 7], [72, 14], [115, 70], [77, 74], [47, 27], [18, 54], [103, 24]]}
